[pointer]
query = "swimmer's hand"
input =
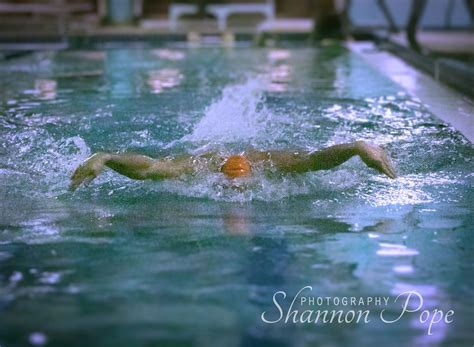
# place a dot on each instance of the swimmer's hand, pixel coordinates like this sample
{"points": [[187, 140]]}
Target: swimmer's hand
{"points": [[376, 158], [88, 170]]}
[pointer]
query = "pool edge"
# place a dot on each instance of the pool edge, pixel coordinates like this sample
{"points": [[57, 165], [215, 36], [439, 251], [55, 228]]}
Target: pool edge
{"points": [[445, 103]]}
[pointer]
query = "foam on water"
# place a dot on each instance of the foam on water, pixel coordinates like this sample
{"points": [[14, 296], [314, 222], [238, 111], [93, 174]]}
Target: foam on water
{"points": [[246, 114], [238, 115], [46, 161], [258, 187]]}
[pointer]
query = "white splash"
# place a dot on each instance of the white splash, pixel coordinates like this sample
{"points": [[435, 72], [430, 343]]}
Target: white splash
{"points": [[238, 115]]}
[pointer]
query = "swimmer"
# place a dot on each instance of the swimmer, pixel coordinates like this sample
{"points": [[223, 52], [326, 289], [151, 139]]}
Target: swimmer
{"points": [[140, 167]]}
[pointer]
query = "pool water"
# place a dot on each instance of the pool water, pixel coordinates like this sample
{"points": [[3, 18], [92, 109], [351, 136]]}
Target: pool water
{"points": [[194, 261]]}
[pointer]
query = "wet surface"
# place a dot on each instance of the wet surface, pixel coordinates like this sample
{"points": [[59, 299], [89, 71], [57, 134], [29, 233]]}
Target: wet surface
{"points": [[193, 260]]}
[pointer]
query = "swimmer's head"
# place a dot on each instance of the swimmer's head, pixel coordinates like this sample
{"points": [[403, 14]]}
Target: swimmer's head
{"points": [[236, 166]]}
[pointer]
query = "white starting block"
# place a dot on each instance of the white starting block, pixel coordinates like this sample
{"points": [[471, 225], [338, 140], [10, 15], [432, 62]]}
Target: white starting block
{"points": [[294, 25], [177, 10], [222, 12]]}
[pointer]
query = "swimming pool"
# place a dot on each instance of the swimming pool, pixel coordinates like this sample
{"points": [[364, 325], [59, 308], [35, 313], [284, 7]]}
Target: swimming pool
{"points": [[193, 261]]}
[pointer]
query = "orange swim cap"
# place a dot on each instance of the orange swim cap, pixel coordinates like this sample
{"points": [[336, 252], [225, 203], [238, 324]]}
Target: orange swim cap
{"points": [[236, 166]]}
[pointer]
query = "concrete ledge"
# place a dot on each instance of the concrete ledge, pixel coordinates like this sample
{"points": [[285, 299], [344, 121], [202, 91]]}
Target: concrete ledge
{"points": [[449, 71], [446, 104]]}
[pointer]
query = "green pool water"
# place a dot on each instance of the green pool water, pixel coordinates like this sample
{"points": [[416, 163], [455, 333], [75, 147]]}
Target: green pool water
{"points": [[194, 262]]}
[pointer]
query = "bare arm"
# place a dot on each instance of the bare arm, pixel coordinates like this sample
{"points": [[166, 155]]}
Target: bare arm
{"points": [[373, 156], [139, 167]]}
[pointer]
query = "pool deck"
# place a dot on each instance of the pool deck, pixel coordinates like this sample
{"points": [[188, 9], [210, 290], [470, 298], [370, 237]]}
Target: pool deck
{"points": [[445, 103], [448, 56], [447, 42]]}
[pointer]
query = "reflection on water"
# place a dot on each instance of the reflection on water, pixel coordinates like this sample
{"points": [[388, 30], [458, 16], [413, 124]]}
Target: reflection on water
{"points": [[88, 55], [433, 300], [160, 80], [276, 55], [194, 260], [168, 54], [37, 338], [393, 250], [403, 269], [279, 74], [46, 89], [236, 222]]}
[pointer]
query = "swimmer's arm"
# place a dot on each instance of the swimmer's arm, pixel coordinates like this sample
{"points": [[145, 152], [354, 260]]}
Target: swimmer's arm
{"points": [[134, 166], [373, 156]]}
